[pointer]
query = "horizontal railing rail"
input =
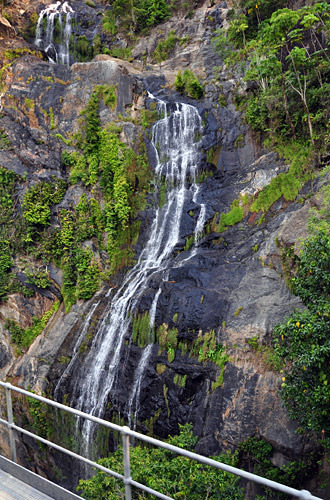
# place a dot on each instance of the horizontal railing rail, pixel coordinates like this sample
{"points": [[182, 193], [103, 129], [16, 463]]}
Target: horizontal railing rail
{"points": [[126, 433]]}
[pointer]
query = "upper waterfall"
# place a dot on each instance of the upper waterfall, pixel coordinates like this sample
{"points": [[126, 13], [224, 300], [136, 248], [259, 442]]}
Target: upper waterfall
{"points": [[53, 32]]}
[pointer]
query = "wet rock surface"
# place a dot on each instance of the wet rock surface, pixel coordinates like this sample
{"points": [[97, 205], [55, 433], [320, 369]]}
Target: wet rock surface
{"points": [[233, 283]]}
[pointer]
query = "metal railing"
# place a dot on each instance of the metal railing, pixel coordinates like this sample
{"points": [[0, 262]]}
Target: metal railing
{"points": [[126, 433]]}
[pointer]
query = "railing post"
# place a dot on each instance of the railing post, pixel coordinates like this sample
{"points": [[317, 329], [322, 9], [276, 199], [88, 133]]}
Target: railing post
{"points": [[127, 466], [10, 422]]}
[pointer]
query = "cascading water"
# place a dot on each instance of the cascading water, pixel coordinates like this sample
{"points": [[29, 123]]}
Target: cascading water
{"points": [[178, 155], [54, 30], [134, 397], [75, 352]]}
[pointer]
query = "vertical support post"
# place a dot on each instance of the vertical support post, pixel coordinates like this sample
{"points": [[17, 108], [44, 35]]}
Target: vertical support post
{"points": [[10, 422], [127, 466]]}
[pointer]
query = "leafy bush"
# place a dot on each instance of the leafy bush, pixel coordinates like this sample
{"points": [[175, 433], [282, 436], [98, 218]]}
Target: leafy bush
{"points": [[174, 475], [303, 340], [38, 200], [165, 47], [255, 454], [189, 84], [136, 16], [312, 282]]}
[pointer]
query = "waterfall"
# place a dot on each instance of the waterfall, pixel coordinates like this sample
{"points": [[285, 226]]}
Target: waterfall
{"points": [[178, 155], [143, 363], [53, 32], [75, 354]]}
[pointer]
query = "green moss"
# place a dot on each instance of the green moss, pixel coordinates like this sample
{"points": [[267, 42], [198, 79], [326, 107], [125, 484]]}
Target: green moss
{"points": [[289, 184], [183, 347], [167, 337], [160, 368], [180, 380], [141, 333], [29, 103], [230, 218], [222, 100], [109, 95], [83, 49], [238, 311], [52, 119], [189, 242]]}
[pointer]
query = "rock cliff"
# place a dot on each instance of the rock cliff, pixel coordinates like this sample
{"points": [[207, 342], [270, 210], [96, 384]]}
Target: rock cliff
{"points": [[231, 287]]}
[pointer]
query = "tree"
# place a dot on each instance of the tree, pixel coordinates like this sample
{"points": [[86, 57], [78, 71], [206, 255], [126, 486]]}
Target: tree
{"points": [[161, 470], [303, 340]]}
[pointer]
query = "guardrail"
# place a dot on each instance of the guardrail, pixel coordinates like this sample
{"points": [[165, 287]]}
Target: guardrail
{"points": [[126, 433]]}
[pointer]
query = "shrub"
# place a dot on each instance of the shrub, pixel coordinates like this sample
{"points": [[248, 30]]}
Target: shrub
{"points": [[165, 47], [38, 200], [303, 340], [176, 476], [189, 84]]}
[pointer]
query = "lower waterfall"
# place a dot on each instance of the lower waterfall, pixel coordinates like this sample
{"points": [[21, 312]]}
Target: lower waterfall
{"points": [[177, 147]]}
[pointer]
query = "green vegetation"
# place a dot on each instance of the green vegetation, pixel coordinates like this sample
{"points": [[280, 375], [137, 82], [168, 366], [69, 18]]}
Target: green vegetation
{"points": [[8, 181], [116, 180], [287, 57], [238, 311], [205, 347], [37, 202], [100, 160], [269, 357], [302, 341], [180, 380], [83, 50], [189, 242], [39, 417], [12, 54], [255, 454], [165, 47], [137, 16], [141, 332], [24, 337], [4, 140], [172, 474], [167, 338], [189, 84]]}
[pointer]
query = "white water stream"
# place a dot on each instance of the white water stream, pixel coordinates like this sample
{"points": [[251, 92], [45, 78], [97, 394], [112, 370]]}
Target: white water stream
{"points": [[56, 17], [178, 155]]}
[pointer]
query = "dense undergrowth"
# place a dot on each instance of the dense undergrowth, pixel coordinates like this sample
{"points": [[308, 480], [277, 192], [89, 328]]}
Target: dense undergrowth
{"points": [[302, 341], [88, 241], [160, 469]]}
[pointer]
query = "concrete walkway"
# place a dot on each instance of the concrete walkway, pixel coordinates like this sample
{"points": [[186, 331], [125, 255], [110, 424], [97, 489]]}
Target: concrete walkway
{"points": [[14, 489]]}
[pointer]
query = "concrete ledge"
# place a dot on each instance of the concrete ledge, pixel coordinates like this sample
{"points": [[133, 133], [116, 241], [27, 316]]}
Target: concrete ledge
{"points": [[39, 483]]}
